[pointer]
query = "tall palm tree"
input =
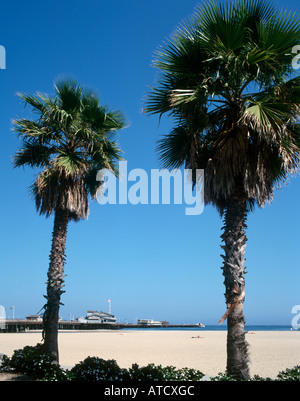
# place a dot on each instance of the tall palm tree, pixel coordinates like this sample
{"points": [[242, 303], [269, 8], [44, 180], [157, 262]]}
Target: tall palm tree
{"points": [[72, 139], [226, 80]]}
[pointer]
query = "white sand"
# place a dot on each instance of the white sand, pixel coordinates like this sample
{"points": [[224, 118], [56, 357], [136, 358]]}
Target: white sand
{"points": [[270, 351]]}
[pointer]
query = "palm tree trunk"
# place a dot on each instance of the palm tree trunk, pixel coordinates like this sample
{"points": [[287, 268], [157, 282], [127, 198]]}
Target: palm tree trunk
{"points": [[55, 282], [233, 270]]}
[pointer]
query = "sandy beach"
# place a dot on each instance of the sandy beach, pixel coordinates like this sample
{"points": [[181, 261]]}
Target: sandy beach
{"points": [[270, 351]]}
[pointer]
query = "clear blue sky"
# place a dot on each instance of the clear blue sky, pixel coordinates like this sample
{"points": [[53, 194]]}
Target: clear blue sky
{"points": [[152, 261]]}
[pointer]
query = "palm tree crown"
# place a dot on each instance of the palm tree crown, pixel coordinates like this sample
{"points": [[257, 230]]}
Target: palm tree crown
{"points": [[72, 139], [226, 80]]}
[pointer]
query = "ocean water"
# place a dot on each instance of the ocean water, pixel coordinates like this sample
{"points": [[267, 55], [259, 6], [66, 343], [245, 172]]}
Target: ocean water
{"points": [[252, 327], [217, 328]]}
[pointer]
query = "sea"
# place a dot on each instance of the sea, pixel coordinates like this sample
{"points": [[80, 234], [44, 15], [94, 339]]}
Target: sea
{"points": [[249, 328]]}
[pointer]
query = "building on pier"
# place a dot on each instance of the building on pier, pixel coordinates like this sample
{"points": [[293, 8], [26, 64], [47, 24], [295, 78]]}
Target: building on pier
{"points": [[97, 317], [36, 318], [149, 322]]}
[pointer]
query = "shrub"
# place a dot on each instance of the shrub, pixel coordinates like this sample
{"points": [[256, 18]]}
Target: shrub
{"points": [[187, 374], [257, 378], [287, 375], [290, 374], [5, 364], [159, 373], [223, 377], [95, 369], [35, 362], [150, 373]]}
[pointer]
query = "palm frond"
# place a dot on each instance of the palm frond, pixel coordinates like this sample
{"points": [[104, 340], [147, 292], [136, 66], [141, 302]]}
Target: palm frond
{"points": [[33, 154], [32, 129], [35, 101], [71, 163], [69, 94]]}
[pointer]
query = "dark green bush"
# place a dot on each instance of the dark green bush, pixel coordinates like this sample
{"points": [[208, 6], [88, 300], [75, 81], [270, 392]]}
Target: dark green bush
{"points": [[5, 364], [95, 369], [223, 377], [287, 375], [152, 372], [290, 374], [35, 362], [187, 374], [257, 378]]}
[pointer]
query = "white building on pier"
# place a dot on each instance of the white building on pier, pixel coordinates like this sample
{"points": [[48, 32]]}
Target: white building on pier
{"points": [[97, 317]]}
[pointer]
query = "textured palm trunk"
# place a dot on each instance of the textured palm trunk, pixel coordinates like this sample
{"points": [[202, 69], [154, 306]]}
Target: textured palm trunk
{"points": [[233, 270], [55, 283]]}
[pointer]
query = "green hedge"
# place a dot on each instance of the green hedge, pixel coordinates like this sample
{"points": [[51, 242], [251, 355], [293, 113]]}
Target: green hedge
{"points": [[35, 362]]}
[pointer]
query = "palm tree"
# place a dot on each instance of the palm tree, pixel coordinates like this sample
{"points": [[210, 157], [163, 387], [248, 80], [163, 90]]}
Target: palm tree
{"points": [[72, 139], [226, 81]]}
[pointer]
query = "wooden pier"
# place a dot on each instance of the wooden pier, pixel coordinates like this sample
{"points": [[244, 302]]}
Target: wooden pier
{"points": [[17, 326]]}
